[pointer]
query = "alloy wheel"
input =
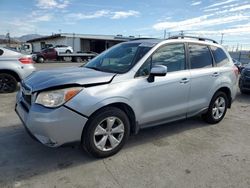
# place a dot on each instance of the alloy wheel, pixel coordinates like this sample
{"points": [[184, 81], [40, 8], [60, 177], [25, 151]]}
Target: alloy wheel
{"points": [[108, 133], [219, 108], [7, 83]]}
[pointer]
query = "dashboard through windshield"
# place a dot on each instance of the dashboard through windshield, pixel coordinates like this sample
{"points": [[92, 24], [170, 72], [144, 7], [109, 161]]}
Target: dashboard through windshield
{"points": [[119, 59]]}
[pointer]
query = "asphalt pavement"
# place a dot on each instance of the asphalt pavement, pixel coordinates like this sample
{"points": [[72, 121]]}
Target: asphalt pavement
{"points": [[187, 153]]}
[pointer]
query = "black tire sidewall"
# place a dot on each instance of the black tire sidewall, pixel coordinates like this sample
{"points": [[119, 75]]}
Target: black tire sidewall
{"points": [[209, 114], [14, 88], [40, 60], [88, 133]]}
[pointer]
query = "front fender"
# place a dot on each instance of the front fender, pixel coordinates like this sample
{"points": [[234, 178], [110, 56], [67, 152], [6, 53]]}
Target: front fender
{"points": [[87, 104], [109, 101]]}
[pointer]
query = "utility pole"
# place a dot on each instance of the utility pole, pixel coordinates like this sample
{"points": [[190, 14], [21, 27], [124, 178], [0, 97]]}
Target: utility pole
{"points": [[169, 34], [237, 48], [8, 38], [73, 42], [165, 34], [221, 40]]}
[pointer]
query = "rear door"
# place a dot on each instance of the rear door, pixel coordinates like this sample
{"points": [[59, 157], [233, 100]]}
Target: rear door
{"points": [[204, 77]]}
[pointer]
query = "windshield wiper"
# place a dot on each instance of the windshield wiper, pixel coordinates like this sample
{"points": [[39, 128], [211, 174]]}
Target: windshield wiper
{"points": [[95, 68], [102, 70]]}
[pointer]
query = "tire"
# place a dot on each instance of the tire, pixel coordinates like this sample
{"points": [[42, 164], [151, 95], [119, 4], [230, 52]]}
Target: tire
{"points": [[8, 83], [243, 91], [78, 60], [215, 111], [68, 52], [97, 134], [67, 58], [40, 60]]}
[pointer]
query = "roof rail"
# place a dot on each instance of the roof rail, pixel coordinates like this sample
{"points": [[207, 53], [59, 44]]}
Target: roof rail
{"points": [[192, 37]]}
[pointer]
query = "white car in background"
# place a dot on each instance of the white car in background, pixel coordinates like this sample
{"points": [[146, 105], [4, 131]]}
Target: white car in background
{"points": [[63, 49], [14, 67]]}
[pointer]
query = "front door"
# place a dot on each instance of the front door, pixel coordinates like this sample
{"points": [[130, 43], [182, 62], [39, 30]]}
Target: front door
{"points": [[166, 98]]}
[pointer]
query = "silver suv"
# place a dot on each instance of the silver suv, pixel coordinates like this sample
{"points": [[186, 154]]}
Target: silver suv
{"points": [[131, 86]]}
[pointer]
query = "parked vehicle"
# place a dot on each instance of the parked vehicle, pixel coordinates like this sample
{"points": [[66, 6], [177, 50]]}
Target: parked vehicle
{"points": [[244, 81], [14, 67], [46, 54], [63, 49], [131, 86], [238, 64], [25, 48], [52, 54]]}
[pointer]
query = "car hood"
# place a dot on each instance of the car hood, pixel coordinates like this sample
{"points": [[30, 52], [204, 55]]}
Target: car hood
{"points": [[63, 77]]}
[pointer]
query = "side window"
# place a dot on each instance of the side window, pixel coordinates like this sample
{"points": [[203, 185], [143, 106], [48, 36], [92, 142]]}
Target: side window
{"points": [[171, 55], [219, 56], [200, 56]]}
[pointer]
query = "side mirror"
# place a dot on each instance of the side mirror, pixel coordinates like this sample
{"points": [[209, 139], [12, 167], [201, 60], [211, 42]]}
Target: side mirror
{"points": [[157, 70]]}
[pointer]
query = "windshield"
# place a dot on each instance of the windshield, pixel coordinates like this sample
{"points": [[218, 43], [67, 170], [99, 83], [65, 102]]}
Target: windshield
{"points": [[119, 59]]}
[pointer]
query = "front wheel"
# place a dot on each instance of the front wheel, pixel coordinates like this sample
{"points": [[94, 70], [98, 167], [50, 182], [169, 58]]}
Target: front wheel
{"points": [[106, 132], [217, 108]]}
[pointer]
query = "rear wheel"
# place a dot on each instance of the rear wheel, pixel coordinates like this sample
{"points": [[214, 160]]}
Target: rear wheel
{"points": [[79, 59], [217, 108], [8, 83], [106, 132]]}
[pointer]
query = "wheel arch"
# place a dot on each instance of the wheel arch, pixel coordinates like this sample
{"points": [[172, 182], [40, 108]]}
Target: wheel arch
{"points": [[12, 73], [227, 91], [41, 56], [134, 128]]}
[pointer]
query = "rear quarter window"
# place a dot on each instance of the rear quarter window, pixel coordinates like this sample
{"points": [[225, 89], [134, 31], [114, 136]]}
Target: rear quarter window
{"points": [[220, 56]]}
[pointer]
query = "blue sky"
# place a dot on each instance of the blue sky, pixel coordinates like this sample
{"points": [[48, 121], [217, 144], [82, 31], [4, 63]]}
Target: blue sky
{"points": [[150, 18]]}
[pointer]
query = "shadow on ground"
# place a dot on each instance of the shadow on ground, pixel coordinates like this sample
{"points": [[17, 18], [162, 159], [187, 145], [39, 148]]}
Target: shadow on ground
{"points": [[22, 158]]}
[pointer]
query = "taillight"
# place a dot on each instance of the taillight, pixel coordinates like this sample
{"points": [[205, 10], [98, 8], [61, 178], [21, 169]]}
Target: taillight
{"points": [[236, 71], [26, 60]]}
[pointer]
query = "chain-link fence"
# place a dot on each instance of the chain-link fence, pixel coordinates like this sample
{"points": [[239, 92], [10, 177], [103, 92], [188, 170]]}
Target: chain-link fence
{"points": [[242, 56]]}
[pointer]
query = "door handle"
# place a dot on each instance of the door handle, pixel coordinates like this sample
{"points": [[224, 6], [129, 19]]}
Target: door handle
{"points": [[184, 81], [215, 74]]}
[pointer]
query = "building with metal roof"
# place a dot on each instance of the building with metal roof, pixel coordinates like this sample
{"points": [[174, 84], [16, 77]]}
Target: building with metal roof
{"points": [[79, 42]]}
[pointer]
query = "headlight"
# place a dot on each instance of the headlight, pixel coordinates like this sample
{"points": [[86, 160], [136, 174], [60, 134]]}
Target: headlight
{"points": [[56, 98]]}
